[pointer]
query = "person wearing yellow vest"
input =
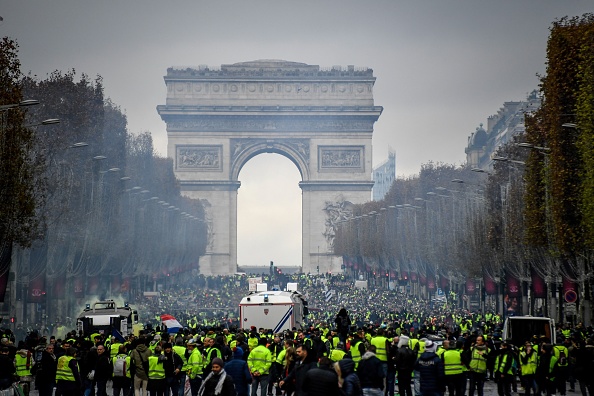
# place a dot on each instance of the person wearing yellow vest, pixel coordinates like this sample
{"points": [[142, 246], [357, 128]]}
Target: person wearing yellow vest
{"points": [[545, 369], [195, 366], [211, 352], [156, 374], [528, 364], [454, 369], [562, 354], [259, 362], [478, 366], [121, 383], [503, 369], [357, 348], [338, 353], [180, 349], [114, 348], [381, 344], [23, 361], [68, 381]]}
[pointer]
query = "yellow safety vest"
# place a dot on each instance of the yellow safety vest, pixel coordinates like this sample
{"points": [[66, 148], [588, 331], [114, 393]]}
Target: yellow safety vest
{"points": [[260, 360], [64, 372], [21, 364], [478, 362], [452, 361], [380, 347], [530, 366], [337, 354], [114, 349], [181, 352], [355, 354], [195, 363], [156, 369]]}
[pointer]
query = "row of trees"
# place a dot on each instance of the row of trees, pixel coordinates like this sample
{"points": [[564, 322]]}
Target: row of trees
{"points": [[533, 214], [85, 197]]}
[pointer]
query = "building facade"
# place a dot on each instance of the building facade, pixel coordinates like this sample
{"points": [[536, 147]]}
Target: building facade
{"points": [[501, 127], [383, 177]]}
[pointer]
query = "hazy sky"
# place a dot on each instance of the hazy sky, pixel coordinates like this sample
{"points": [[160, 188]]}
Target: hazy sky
{"points": [[442, 67]]}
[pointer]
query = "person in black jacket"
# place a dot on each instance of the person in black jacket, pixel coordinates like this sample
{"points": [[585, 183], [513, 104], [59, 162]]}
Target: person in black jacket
{"points": [[297, 375], [103, 370], [7, 368], [173, 365], [348, 380], [45, 376], [343, 324], [238, 369], [321, 380], [431, 370], [371, 373], [405, 360]]}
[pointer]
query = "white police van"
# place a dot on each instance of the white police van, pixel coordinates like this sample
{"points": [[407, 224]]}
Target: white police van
{"points": [[275, 309]]}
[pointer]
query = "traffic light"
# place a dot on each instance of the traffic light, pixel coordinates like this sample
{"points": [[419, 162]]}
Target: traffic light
{"points": [[12, 319]]}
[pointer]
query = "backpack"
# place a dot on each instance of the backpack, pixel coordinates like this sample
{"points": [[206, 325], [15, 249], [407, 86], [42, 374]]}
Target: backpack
{"points": [[562, 361], [119, 366]]}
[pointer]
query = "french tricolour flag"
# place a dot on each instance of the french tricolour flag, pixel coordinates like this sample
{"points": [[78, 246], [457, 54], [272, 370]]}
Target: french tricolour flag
{"points": [[172, 324]]}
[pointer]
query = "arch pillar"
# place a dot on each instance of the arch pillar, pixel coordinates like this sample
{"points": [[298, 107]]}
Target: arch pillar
{"points": [[219, 198], [324, 203]]}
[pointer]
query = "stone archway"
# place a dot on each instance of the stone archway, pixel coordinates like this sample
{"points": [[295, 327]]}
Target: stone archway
{"points": [[320, 119]]}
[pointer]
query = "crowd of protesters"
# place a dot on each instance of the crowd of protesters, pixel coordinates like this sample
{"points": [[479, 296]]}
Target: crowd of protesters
{"points": [[363, 342]]}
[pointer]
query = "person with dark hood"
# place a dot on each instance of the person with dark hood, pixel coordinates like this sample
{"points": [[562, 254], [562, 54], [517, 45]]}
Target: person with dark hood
{"points": [[7, 368], [348, 380], [88, 362], [545, 370], [371, 373], [321, 379], [238, 369], [45, 376], [343, 324], [217, 382]]}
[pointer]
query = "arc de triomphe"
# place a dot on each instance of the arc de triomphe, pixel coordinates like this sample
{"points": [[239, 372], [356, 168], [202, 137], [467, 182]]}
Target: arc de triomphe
{"points": [[320, 119]]}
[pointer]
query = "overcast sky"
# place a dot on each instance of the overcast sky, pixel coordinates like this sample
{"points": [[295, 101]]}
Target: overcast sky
{"points": [[442, 68]]}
